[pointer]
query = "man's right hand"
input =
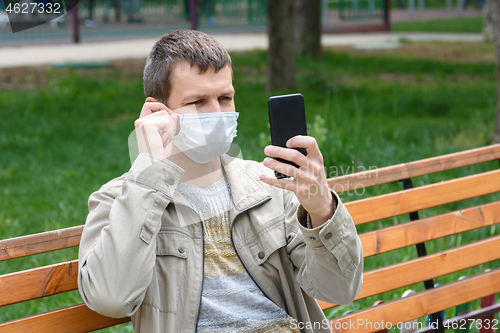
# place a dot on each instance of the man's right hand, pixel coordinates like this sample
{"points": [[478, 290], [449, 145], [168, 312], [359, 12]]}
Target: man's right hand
{"points": [[156, 128]]}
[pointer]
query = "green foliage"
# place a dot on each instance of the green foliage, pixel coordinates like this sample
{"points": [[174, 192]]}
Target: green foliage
{"points": [[458, 25], [63, 141]]}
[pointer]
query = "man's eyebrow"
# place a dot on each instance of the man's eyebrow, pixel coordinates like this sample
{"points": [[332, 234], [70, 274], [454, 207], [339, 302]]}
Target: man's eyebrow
{"points": [[195, 97], [228, 92]]}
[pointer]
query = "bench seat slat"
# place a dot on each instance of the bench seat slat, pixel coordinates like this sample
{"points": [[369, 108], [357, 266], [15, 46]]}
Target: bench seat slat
{"points": [[415, 199], [38, 282], [74, 319], [430, 228], [49, 280], [402, 171], [421, 304], [425, 268], [39, 243]]}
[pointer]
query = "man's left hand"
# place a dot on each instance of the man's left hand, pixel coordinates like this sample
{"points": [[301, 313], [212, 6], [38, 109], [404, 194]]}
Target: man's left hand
{"points": [[309, 180]]}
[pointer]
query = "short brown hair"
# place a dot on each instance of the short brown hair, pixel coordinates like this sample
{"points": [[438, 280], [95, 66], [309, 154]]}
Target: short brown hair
{"points": [[195, 47]]}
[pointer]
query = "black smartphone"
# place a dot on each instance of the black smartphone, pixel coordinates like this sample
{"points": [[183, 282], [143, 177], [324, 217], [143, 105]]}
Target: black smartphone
{"points": [[287, 118]]}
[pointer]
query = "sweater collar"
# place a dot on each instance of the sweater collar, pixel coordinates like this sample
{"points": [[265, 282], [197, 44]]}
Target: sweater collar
{"points": [[246, 190]]}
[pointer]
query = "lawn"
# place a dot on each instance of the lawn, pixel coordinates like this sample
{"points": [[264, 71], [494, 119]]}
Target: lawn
{"points": [[456, 25], [64, 133]]}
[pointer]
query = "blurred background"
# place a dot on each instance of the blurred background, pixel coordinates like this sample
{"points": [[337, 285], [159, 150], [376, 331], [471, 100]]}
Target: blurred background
{"points": [[393, 81], [115, 19]]}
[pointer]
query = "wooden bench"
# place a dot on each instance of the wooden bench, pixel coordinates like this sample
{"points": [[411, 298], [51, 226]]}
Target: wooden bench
{"points": [[62, 277]]}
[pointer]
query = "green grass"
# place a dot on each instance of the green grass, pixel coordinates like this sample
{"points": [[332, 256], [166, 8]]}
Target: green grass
{"points": [[62, 141], [428, 3], [457, 25]]}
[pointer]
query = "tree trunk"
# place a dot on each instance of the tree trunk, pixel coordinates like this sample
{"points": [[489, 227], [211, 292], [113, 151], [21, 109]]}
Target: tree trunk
{"points": [[494, 14], [488, 24], [308, 28], [298, 24], [281, 55]]}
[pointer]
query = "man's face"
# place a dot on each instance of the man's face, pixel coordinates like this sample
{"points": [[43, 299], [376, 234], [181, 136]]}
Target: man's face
{"points": [[209, 91]]}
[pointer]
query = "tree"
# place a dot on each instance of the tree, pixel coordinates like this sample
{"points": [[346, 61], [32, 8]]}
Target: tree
{"points": [[281, 53], [308, 28], [494, 16], [488, 26]]}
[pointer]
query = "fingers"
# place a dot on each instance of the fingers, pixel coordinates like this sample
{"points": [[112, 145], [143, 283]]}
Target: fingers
{"points": [[156, 127], [307, 142], [156, 131], [310, 170], [312, 162], [284, 168], [309, 181], [291, 155], [286, 184], [156, 117], [303, 186], [300, 175], [151, 107]]}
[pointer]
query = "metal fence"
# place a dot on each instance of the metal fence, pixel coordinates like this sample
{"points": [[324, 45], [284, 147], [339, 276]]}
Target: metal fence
{"points": [[361, 9]]}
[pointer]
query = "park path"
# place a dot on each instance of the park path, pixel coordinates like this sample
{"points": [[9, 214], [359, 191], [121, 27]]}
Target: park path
{"points": [[31, 55]]}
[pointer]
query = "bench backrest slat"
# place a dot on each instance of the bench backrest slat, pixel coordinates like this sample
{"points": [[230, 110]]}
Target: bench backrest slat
{"points": [[414, 169], [430, 228], [39, 243], [415, 199], [38, 282], [74, 319], [421, 304], [428, 267]]}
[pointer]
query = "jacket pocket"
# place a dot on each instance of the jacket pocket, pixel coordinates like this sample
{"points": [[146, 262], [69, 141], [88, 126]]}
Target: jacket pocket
{"points": [[269, 239], [169, 277]]}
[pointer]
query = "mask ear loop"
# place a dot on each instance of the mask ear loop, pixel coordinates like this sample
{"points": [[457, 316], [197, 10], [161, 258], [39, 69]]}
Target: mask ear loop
{"points": [[179, 117]]}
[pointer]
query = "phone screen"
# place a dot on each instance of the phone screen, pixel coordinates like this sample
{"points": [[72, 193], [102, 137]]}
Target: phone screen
{"points": [[287, 118]]}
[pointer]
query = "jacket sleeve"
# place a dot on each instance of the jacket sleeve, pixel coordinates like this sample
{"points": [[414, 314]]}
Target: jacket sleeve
{"points": [[117, 248], [328, 259]]}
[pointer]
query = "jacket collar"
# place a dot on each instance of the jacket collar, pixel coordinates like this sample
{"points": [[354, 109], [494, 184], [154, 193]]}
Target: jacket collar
{"points": [[246, 190]]}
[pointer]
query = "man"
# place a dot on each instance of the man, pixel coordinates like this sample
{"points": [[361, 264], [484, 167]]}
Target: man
{"points": [[192, 240]]}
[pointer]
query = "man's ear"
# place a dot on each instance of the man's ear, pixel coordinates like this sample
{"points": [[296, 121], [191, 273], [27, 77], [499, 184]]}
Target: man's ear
{"points": [[151, 100]]}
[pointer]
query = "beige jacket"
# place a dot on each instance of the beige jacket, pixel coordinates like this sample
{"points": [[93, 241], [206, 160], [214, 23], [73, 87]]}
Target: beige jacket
{"points": [[141, 252]]}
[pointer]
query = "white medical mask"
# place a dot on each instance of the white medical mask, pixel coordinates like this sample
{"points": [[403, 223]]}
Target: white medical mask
{"points": [[205, 136]]}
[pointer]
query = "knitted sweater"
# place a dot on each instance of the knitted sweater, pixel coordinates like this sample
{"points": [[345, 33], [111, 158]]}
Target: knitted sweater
{"points": [[231, 301]]}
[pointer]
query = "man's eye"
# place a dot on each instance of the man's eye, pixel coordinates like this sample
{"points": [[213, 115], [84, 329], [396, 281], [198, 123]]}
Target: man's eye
{"points": [[226, 98], [196, 102]]}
